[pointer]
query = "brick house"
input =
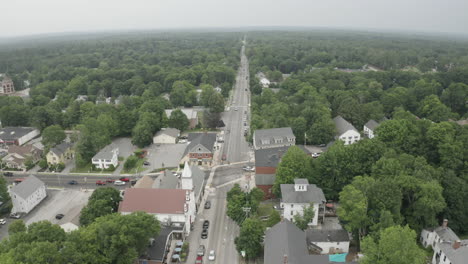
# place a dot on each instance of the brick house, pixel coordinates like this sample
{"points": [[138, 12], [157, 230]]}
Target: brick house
{"points": [[266, 161], [200, 149]]}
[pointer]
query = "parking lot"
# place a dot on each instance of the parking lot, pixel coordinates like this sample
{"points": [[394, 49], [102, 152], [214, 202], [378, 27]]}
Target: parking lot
{"points": [[165, 155]]}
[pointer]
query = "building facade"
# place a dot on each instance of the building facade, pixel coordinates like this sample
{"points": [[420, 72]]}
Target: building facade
{"points": [[17, 135], [273, 138], [166, 136], [27, 194], [107, 157], [60, 153], [346, 132], [7, 86]]}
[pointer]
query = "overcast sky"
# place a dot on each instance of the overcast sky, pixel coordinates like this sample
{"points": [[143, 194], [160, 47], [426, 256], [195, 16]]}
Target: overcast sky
{"points": [[26, 17]]}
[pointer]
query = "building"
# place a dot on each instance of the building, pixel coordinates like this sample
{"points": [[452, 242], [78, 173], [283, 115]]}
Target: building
{"points": [[266, 161], [108, 156], [193, 179], [297, 196], [273, 137], [369, 128], [17, 135], [264, 82], [345, 131], [60, 153], [201, 148], [169, 206], [166, 136], [159, 246], [27, 194], [324, 241], [69, 227], [18, 156], [6, 85], [191, 113]]}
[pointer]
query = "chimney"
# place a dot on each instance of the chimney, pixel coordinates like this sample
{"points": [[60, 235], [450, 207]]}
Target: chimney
{"points": [[456, 244], [285, 261], [445, 223]]}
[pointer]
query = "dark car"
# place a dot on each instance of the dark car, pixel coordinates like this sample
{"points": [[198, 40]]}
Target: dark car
{"points": [[100, 183], [133, 182], [204, 234], [73, 182], [146, 163], [207, 204], [8, 174], [124, 179], [59, 216], [206, 224]]}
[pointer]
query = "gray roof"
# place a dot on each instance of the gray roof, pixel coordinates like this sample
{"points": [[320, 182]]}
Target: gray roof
{"points": [[301, 181], [61, 148], [269, 157], [198, 179], [286, 239], [372, 124], [282, 132], [169, 181], [13, 133], [205, 139], [456, 256], [324, 235], [446, 233], [342, 125], [313, 194], [265, 179], [27, 187], [106, 152], [173, 132]]}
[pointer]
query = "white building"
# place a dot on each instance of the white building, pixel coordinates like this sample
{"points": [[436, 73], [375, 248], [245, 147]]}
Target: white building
{"points": [[297, 196], [324, 241], [69, 227], [369, 128], [193, 179], [264, 82], [166, 136], [17, 135], [108, 156], [273, 138], [27, 194], [345, 131]]}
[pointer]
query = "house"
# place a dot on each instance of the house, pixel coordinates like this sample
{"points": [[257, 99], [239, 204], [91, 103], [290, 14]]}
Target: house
{"points": [[191, 113], [297, 196], [266, 161], [273, 137], [6, 85], [108, 156], [27, 194], [69, 227], [81, 98], [18, 155], [201, 148], [193, 179], [326, 241], [169, 206], [264, 82], [369, 128], [286, 243], [17, 135], [60, 153], [166, 136], [345, 131]]}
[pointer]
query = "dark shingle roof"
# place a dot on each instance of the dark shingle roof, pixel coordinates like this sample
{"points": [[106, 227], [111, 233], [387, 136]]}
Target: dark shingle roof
{"points": [[324, 235], [313, 194], [265, 179], [13, 133], [106, 152], [205, 139], [61, 148], [27, 187], [168, 181], [372, 124], [173, 132], [342, 125], [269, 157], [198, 179], [272, 133]]}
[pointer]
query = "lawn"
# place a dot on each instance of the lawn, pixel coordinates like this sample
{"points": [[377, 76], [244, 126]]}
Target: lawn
{"points": [[88, 168], [138, 167], [265, 209]]}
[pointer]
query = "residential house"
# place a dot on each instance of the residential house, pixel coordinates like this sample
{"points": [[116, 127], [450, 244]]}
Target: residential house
{"points": [[264, 82], [6, 85], [266, 161], [166, 136], [273, 137], [201, 149], [191, 113], [18, 155], [326, 241], [108, 156], [27, 194], [169, 206], [369, 128], [297, 196], [345, 131], [17, 135], [81, 98], [60, 153]]}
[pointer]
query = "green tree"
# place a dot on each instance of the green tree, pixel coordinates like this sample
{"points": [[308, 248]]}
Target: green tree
{"points": [[102, 202], [16, 226], [273, 219], [142, 135], [353, 211], [178, 120], [130, 163], [52, 136], [396, 245], [302, 221], [294, 164], [216, 103], [250, 238]]}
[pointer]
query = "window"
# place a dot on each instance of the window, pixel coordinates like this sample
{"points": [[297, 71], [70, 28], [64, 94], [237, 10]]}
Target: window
{"points": [[350, 137], [337, 243], [292, 205], [445, 257], [292, 213], [427, 235]]}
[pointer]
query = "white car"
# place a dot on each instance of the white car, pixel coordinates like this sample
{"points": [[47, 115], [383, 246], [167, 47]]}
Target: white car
{"points": [[212, 255], [119, 182], [2, 221]]}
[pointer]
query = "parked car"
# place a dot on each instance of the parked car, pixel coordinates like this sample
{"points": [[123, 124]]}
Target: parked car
{"points": [[133, 182], [248, 168], [204, 234], [8, 174], [124, 179], [199, 260], [100, 183], [2, 221], [316, 155], [73, 182], [109, 180], [201, 250], [212, 255], [18, 180], [119, 182], [59, 216], [15, 215], [207, 204], [322, 145], [206, 224], [182, 141], [146, 163], [235, 109]]}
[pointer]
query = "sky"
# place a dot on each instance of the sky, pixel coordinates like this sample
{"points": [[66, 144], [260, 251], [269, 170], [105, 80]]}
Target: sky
{"points": [[31, 17]]}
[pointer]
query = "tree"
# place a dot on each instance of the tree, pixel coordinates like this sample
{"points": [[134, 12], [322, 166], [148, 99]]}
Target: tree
{"points": [[294, 164], [17, 226], [53, 135], [353, 211], [102, 202], [216, 103], [396, 245], [302, 221], [142, 135], [250, 238], [273, 219], [178, 120], [130, 163], [211, 119]]}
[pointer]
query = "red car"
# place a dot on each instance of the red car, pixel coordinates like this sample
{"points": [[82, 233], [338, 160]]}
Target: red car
{"points": [[100, 183], [199, 260], [109, 180], [125, 179], [18, 180]]}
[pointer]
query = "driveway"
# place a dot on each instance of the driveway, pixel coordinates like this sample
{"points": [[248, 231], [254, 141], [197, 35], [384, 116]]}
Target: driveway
{"points": [[168, 155]]}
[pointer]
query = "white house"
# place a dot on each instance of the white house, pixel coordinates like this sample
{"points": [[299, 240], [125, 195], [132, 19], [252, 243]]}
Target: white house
{"points": [[27, 194], [169, 206], [108, 156], [297, 196], [324, 241], [69, 227], [264, 82], [273, 138], [166, 136], [369, 128], [345, 131], [193, 179]]}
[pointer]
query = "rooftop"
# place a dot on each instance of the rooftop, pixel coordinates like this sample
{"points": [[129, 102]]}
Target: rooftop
{"points": [[144, 182], [272, 133], [269, 157], [324, 235], [61, 148], [157, 250], [342, 125], [13, 133], [173, 132], [372, 124], [107, 152], [27, 187], [207, 140], [153, 201], [313, 194], [456, 256]]}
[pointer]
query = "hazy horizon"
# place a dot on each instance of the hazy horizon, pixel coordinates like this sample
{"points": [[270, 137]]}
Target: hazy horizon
{"points": [[28, 17]]}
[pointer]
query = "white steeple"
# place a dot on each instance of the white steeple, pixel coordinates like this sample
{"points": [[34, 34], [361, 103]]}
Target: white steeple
{"points": [[187, 182]]}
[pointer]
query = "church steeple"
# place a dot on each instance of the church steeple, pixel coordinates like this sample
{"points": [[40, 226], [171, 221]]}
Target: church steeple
{"points": [[187, 181]]}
